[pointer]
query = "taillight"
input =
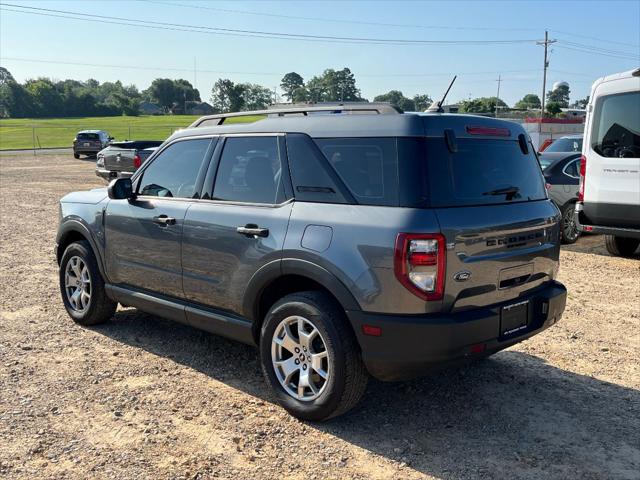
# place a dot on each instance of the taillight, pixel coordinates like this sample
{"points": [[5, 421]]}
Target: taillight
{"points": [[137, 161], [419, 264], [583, 175]]}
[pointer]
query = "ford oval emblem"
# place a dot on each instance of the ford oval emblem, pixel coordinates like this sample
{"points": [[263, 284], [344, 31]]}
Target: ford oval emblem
{"points": [[462, 276]]}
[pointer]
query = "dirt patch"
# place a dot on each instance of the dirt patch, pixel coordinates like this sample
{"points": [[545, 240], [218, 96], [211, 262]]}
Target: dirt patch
{"points": [[141, 397]]}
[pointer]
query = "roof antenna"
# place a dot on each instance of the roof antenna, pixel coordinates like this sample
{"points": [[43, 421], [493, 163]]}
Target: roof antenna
{"points": [[436, 107]]}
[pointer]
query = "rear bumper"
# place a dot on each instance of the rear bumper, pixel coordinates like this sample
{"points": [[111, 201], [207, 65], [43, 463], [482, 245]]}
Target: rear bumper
{"points": [[87, 150], [111, 174], [414, 344], [584, 225]]}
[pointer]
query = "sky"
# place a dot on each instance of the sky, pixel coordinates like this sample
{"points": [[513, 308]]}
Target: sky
{"points": [[594, 38]]}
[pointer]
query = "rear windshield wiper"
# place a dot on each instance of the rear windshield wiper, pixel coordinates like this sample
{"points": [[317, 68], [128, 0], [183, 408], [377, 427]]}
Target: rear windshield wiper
{"points": [[510, 192]]}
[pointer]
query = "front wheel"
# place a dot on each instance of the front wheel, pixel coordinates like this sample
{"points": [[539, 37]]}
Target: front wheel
{"points": [[76, 156], [621, 246], [310, 357], [570, 232], [82, 287]]}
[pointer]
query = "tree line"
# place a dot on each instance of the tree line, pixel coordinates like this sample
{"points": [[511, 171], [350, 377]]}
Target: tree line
{"points": [[44, 97]]}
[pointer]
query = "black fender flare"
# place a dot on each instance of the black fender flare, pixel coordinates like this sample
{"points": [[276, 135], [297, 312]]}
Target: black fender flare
{"points": [[77, 226], [294, 266]]}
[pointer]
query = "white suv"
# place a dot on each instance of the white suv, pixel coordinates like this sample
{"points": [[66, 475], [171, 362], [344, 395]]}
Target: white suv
{"points": [[609, 193]]}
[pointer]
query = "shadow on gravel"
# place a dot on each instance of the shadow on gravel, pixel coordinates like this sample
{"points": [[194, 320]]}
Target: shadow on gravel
{"points": [[510, 416], [593, 244]]}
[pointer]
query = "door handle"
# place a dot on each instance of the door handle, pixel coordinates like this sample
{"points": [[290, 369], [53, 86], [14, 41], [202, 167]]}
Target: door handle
{"points": [[164, 220], [253, 230]]}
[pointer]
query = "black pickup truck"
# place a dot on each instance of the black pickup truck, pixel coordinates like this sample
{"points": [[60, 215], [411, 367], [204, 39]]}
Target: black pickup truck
{"points": [[122, 159]]}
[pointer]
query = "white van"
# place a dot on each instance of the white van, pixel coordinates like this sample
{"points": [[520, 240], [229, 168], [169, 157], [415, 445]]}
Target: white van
{"points": [[609, 193]]}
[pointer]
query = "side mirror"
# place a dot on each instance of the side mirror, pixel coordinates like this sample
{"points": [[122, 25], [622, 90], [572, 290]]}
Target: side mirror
{"points": [[111, 138], [120, 189]]}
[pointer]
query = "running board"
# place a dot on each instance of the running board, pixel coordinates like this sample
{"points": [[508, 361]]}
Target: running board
{"points": [[196, 316]]}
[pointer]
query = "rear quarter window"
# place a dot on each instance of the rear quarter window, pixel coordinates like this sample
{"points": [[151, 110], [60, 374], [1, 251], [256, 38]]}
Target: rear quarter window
{"points": [[479, 170], [616, 125], [367, 166]]}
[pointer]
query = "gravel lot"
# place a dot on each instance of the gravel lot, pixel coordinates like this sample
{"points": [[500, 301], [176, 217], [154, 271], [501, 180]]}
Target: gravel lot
{"points": [[141, 397]]}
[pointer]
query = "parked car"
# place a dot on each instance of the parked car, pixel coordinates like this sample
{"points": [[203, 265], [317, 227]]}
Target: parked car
{"points": [[90, 142], [122, 159], [562, 174], [342, 245], [566, 144], [609, 190]]}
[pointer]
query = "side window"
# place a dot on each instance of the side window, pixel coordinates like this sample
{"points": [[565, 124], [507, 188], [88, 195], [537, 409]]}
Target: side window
{"points": [[250, 171], [174, 172], [616, 125], [368, 166], [572, 169], [313, 180]]}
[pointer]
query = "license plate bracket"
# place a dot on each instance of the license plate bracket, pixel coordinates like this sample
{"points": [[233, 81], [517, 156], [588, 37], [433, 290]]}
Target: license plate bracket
{"points": [[514, 318]]}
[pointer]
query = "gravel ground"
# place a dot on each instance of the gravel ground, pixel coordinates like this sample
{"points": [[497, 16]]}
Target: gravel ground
{"points": [[141, 397]]}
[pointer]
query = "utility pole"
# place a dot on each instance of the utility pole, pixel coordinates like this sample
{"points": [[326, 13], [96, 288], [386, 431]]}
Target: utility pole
{"points": [[498, 95], [546, 44], [194, 72]]}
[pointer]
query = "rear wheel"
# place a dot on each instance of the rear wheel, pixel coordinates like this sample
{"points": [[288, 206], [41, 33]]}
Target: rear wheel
{"points": [[310, 357], [621, 246], [570, 232], [82, 287]]}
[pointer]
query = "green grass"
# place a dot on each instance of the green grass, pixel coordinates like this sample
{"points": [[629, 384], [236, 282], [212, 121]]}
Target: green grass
{"points": [[59, 132]]}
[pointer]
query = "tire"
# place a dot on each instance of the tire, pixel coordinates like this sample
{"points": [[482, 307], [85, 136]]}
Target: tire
{"points": [[621, 246], [98, 308], [76, 156], [346, 376], [570, 232]]}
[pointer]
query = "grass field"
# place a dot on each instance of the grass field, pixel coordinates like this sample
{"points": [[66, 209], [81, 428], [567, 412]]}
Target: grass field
{"points": [[59, 132]]}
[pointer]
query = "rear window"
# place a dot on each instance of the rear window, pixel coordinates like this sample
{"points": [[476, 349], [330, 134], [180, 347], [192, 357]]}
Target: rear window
{"points": [[482, 172], [88, 136], [565, 145], [616, 126]]}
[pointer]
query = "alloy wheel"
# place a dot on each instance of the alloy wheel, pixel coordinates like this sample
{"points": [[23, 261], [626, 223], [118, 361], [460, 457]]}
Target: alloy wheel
{"points": [[569, 225], [300, 358], [77, 284]]}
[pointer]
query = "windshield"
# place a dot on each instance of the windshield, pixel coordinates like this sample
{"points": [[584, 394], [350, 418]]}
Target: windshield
{"points": [[544, 163], [565, 144], [88, 136]]}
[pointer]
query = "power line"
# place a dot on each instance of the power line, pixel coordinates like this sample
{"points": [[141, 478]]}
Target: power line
{"points": [[333, 20], [256, 33], [226, 72], [596, 52], [635, 45]]}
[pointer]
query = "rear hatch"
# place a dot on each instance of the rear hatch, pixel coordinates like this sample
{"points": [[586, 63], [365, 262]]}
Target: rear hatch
{"points": [[88, 140], [120, 156], [488, 193]]}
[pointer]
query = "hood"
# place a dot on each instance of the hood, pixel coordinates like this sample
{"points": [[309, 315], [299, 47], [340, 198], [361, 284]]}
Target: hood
{"points": [[88, 196]]}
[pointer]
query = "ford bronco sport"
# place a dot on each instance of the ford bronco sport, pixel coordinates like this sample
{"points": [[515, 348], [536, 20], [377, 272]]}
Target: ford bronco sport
{"points": [[342, 241]]}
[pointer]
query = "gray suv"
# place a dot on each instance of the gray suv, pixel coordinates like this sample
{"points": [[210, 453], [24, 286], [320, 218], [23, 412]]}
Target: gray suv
{"points": [[343, 243]]}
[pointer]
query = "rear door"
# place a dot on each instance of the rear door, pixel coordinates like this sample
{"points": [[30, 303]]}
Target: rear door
{"points": [[500, 229], [144, 235], [612, 151], [241, 222]]}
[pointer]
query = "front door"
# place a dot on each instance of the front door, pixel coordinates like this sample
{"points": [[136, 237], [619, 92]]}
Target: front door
{"points": [[228, 238], [144, 235]]}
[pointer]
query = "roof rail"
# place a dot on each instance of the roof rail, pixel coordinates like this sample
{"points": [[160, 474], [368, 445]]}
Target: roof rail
{"points": [[345, 108]]}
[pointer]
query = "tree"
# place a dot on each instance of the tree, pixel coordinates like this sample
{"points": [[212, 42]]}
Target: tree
{"points": [[290, 83], [582, 103], [5, 76], [560, 96], [422, 102], [163, 92], [481, 105], [226, 96], [46, 97], [333, 86], [185, 91], [15, 101], [254, 97], [553, 108], [397, 99], [529, 102]]}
